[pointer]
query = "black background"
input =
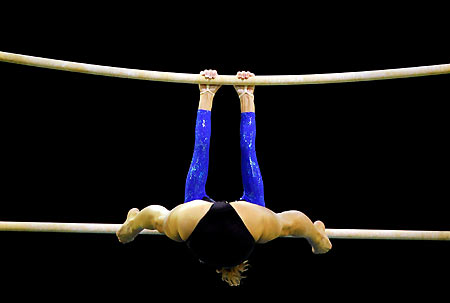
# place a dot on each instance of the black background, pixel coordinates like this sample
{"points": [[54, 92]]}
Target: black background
{"points": [[85, 148]]}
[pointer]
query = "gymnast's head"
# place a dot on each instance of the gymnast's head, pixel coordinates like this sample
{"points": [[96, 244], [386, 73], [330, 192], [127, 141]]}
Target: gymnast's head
{"points": [[222, 249], [231, 274]]}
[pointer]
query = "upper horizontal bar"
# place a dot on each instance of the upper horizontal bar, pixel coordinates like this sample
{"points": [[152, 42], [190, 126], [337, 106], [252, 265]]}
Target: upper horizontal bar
{"points": [[224, 79], [98, 228]]}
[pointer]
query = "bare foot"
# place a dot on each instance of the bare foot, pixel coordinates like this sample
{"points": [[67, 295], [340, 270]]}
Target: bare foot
{"points": [[127, 232], [322, 244]]}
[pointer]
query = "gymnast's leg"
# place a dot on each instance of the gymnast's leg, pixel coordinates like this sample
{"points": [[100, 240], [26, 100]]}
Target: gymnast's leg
{"points": [[151, 217]]}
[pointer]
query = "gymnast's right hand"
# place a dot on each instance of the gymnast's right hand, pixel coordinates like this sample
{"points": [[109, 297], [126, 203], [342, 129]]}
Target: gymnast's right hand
{"points": [[244, 89], [209, 89]]}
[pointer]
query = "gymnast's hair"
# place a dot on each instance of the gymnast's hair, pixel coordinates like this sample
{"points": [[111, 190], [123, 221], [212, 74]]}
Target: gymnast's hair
{"points": [[233, 275]]}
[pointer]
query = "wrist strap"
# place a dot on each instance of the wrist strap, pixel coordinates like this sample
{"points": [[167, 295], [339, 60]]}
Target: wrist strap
{"points": [[207, 90], [246, 92]]}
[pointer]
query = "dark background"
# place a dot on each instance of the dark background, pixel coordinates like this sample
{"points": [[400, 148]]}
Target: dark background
{"points": [[84, 148]]}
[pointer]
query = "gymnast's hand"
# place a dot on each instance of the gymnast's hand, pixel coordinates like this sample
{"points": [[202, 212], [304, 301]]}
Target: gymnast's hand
{"points": [[210, 89], [244, 89]]}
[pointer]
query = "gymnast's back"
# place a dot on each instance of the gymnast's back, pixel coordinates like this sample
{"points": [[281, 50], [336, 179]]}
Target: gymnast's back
{"points": [[261, 223]]}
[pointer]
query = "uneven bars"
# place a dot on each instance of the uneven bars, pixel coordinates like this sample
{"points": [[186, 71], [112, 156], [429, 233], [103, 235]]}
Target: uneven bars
{"points": [[97, 228], [225, 79]]}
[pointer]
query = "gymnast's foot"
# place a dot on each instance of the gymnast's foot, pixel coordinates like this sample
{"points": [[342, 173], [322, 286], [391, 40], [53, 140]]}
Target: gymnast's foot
{"points": [[322, 244], [128, 231]]}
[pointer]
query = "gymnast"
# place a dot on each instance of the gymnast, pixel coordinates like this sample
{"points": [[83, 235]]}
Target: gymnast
{"points": [[223, 234]]}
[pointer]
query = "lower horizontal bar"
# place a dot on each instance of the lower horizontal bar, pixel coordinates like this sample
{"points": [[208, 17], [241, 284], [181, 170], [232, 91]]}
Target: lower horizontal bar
{"points": [[98, 228]]}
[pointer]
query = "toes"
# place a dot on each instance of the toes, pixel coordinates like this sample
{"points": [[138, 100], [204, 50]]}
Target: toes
{"points": [[319, 225], [323, 248], [132, 213]]}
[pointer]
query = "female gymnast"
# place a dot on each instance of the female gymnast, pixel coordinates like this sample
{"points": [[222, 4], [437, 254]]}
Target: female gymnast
{"points": [[223, 234]]}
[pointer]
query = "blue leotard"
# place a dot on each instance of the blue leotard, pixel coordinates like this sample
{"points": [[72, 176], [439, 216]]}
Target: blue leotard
{"points": [[198, 171], [221, 238]]}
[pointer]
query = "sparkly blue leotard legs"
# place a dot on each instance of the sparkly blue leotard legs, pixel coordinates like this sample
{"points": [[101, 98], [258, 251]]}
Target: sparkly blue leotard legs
{"points": [[198, 171]]}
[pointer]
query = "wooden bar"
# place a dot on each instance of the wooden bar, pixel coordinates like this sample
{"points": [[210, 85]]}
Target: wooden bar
{"points": [[225, 79], [97, 228]]}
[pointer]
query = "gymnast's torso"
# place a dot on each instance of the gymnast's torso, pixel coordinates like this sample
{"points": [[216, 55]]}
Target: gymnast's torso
{"points": [[262, 223]]}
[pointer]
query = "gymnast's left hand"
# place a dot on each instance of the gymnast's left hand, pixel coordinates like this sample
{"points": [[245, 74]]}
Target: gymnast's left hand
{"points": [[243, 89], [209, 74]]}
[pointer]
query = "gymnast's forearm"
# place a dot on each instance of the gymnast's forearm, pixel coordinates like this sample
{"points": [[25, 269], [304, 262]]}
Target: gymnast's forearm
{"points": [[206, 101], [247, 103]]}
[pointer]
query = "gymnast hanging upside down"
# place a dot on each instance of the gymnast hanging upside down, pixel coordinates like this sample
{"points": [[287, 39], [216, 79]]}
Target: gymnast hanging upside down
{"points": [[223, 234]]}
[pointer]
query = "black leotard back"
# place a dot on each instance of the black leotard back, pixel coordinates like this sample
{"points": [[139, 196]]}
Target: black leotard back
{"points": [[221, 239]]}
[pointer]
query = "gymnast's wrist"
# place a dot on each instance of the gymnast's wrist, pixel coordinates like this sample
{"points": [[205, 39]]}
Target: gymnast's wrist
{"points": [[206, 96], [246, 97]]}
